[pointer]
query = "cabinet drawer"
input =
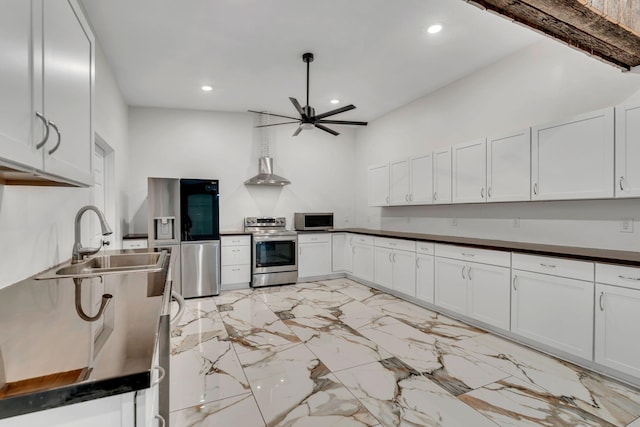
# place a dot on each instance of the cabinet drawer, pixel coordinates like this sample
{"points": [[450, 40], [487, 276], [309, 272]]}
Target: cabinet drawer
{"points": [[235, 274], [314, 238], [425, 248], [628, 277], [484, 256], [404, 245], [235, 255], [235, 241], [580, 270], [362, 239], [134, 243]]}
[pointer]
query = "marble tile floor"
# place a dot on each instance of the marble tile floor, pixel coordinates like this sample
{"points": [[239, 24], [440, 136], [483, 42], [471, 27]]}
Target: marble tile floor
{"points": [[337, 353]]}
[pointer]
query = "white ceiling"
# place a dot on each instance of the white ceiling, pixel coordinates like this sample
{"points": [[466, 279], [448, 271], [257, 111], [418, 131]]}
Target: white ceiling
{"points": [[375, 54]]}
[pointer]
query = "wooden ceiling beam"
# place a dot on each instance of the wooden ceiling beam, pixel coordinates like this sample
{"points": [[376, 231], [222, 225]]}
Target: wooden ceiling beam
{"points": [[578, 23]]}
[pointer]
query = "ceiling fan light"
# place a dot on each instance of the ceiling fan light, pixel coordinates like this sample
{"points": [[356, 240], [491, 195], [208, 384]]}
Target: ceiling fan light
{"points": [[307, 126]]}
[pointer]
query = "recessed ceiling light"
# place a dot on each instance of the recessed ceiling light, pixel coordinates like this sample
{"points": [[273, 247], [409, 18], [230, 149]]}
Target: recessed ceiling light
{"points": [[335, 101], [206, 88], [436, 28]]}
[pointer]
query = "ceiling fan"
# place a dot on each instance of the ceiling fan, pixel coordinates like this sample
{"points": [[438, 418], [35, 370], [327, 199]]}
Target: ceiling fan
{"points": [[308, 118]]}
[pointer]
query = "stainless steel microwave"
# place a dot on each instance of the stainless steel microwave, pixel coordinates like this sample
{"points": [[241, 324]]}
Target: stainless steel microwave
{"points": [[313, 221]]}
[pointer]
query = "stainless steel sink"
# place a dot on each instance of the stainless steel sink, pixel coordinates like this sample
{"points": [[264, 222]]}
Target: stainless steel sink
{"points": [[146, 262]]}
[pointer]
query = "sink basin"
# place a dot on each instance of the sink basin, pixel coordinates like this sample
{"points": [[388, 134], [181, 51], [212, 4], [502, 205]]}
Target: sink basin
{"points": [[146, 262]]}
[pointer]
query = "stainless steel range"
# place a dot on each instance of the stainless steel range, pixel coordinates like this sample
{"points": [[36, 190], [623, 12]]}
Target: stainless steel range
{"points": [[275, 249]]}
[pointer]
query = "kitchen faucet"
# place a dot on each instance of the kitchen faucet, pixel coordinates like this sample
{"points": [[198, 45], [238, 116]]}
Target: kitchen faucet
{"points": [[78, 251]]}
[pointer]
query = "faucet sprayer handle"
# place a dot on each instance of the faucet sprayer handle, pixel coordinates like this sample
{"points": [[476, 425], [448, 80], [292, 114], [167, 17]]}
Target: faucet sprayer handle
{"points": [[106, 243]]}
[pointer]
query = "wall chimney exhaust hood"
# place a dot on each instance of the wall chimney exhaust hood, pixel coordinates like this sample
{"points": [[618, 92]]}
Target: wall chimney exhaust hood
{"points": [[265, 163], [265, 174]]}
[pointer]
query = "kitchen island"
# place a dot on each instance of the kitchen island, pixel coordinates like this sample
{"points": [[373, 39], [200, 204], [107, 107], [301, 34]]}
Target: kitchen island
{"points": [[50, 357]]}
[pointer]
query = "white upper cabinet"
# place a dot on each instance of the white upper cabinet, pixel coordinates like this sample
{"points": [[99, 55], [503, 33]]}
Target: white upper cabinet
{"points": [[399, 182], [469, 172], [66, 91], [627, 183], [15, 84], [421, 179], [442, 176], [379, 185], [509, 167], [573, 159], [47, 90]]}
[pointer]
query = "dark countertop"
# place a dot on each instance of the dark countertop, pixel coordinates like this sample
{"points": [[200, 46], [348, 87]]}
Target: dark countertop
{"points": [[574, 252], [135, 236], [235, 233], [49, 357]]}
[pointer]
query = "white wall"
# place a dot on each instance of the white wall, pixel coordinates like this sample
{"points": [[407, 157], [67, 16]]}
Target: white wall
{"points": [[225, 146], [541, 83], [36, 223]]}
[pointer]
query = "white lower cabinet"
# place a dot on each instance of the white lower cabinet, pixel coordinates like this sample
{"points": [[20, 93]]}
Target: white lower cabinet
{"points": [[363, 257], [478, 288], [617, 309], [395, 265], [424, 271], [341, 252], [451, 285], [553, 310], [314, 255], [235, 261]]}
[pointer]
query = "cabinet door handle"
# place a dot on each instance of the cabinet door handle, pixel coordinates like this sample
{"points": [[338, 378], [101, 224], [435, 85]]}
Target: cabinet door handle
{"points": [[417, 262], [387, 200], [628, 278], [482, 193], [182, 305], [469, 273], [548, 265], [55, 148], [600, 301], [160, 418], [406, 197], [489, 192], [411, 197], [535, 188], [161, 377], [394, 257], [622, 183], [46, 130], [353, 250], [390, 260], [463, 273], [435, 195], [515, 285]]}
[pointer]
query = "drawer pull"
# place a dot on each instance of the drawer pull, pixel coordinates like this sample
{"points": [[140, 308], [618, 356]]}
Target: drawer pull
{"points": [[393, 244], [235, 250], [235, 269], [466, 254], [161, 377], [548, 265], [600, 302], [515, 285], [628, 278]]}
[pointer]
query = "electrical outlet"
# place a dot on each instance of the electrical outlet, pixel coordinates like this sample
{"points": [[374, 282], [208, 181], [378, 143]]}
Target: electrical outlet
{"points": [[626, 225], [516, 222]]}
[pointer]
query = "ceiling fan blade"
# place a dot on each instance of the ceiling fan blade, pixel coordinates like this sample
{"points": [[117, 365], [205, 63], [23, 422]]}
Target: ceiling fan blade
{"points": [[276, 124], [342, 122], [297, 131], [326, 129], [271, 114], [298, 107], [336, 111]]}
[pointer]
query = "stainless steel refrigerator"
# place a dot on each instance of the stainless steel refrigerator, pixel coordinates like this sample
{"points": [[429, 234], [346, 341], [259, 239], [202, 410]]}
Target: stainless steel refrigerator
{"points": [[183, 214]]}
